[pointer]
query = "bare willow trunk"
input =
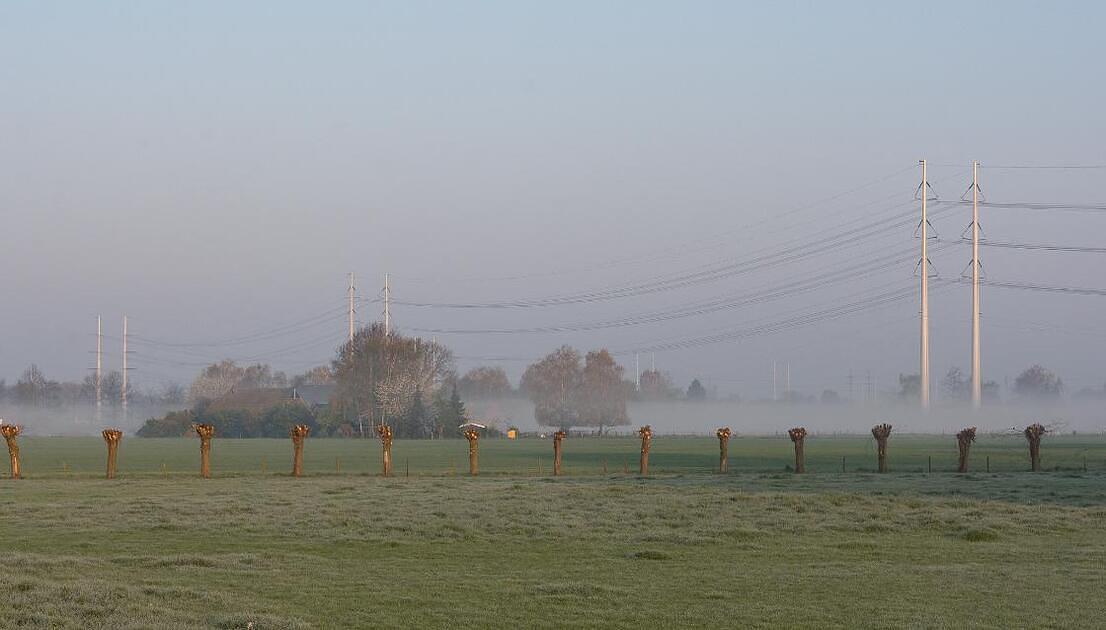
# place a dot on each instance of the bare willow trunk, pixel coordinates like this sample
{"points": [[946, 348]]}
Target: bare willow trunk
{"points": [[473, 436], [206, 432], [10, 433], [112, 437], [723, 448], [1033, 434], [881, 432], [798, 437], [646, 433], [964, 441], [299, 435], [385, 433], [558, 438]]}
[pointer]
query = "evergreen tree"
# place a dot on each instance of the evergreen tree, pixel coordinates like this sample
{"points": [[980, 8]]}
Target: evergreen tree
{"points": [[417, 423], [449, 413], [696, 391]]}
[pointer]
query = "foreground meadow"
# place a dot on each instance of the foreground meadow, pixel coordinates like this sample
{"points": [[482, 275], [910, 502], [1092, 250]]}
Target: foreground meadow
{"points": [[684, 548]]}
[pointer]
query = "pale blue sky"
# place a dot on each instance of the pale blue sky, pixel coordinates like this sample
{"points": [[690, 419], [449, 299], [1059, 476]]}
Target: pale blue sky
{"points": [[214, 170]]}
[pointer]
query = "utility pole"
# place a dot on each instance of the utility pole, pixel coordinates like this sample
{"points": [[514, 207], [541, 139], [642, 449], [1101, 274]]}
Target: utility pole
{"points": [[774, 396], [977, 387], [923, 267], [352, 311], [99, 368], [387, 306], [123, 386]]}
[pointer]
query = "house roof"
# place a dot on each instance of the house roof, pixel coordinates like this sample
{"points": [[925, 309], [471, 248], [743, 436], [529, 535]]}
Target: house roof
{"points": [[252, 400], [314, 395]]}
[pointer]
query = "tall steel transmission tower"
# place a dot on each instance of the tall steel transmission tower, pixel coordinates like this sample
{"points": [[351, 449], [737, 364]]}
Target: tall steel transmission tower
{"points": [[923, 272], [976, 276]]}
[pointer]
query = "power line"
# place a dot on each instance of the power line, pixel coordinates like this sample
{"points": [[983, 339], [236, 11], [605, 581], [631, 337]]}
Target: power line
{"points": [[285, 330], [1033, 205], [691, 245], [1042, 246], [686, 279], [1045, 166], [802, 320], [866, 268], [1027, 286]]}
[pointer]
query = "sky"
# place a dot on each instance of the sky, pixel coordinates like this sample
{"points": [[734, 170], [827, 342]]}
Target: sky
{"points": [[213, 171]]}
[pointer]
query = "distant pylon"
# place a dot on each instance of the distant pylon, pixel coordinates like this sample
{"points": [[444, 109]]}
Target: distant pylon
{"points": [[99, 369], [352, 310], [123, 385], [387, 306]]}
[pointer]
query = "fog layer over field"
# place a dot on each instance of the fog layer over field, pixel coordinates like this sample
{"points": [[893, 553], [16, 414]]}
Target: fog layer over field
{"points": [[673, 417], [756, 418], [78, 419]]}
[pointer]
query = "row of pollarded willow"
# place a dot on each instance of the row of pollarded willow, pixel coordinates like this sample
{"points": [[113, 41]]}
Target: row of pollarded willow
{"points": [[881, 432]]}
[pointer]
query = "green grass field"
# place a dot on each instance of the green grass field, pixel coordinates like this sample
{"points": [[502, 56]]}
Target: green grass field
{"points": [[758, 547]]}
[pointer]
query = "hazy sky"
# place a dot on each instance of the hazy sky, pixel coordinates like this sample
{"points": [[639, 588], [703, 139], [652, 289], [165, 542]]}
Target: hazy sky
{"points": [[214, 170]]}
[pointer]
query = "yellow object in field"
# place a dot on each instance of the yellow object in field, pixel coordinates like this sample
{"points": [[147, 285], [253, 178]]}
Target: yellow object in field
{"points": [[512, 434]]}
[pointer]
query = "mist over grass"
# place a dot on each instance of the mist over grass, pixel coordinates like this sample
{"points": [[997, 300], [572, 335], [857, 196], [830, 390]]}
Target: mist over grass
{"points": [[82, 419], [768, 418], [666, 417]]}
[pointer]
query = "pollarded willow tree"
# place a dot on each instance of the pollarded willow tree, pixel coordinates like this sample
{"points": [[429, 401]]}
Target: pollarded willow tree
{"points": [[11, 433], [385, 433], [558, 438], [1033, 435], [964, 441], [646, 433], [206, 432], [798, 437], [112, 437], [473, 436], [881, 432], [723, 448], [299, 434]]}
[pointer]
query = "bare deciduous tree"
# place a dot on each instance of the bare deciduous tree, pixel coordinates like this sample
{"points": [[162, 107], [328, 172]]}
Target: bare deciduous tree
{"points": [[484, 382]]}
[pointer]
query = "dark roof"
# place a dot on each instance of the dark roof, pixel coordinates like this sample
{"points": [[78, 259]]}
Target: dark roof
{"points": [[314, 395], [253, 400]]}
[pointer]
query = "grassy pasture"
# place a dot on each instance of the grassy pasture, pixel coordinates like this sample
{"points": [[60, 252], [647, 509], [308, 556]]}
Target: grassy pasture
{"points": [[685, 548]]}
